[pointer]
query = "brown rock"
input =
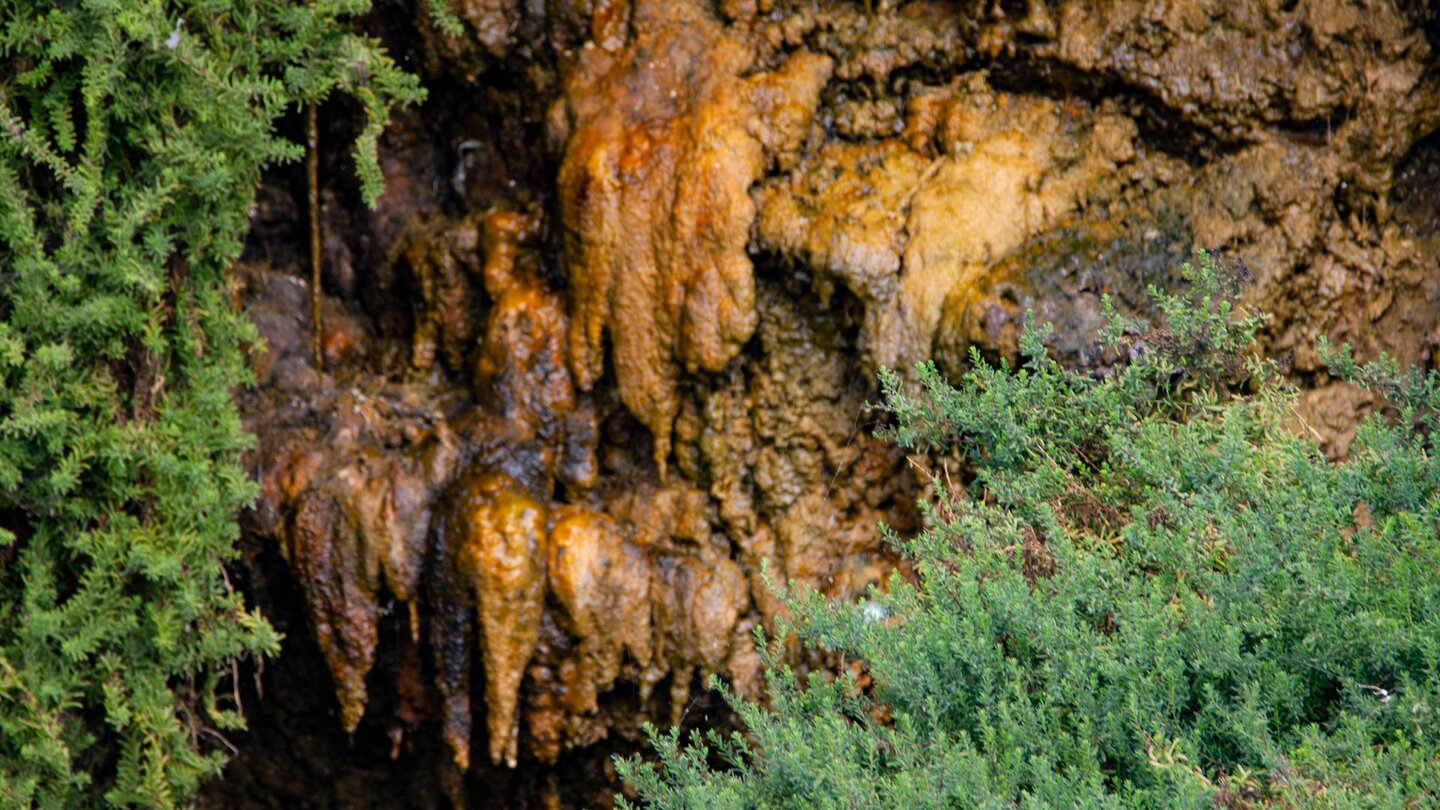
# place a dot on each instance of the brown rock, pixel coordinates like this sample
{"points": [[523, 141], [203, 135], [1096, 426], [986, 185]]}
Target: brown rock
{"points": [[698, 601], [521, 371], [602, 583]]}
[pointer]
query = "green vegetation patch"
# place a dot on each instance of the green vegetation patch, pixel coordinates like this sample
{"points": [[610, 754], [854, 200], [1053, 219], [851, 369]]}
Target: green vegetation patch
{"points": [[1146, 589], [132, 137]]}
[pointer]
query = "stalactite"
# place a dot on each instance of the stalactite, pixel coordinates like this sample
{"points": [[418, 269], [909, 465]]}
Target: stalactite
{"points": [[663, 141], [312, 208]]}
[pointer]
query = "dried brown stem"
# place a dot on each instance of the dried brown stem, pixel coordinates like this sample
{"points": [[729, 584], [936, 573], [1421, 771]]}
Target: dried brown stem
{"points": [[312, 178]]}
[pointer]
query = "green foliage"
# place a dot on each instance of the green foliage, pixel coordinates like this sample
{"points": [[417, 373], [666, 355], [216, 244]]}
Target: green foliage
{"points": [[132, 137], [1149, 593], [445, 19]]}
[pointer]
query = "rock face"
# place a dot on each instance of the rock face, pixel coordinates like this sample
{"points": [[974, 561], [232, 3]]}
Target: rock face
{"points": [[604, 350], [913, 224]]}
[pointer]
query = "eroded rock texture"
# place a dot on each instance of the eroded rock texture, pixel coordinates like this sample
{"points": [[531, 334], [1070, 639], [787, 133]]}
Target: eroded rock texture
{"points": [[604, 350]]}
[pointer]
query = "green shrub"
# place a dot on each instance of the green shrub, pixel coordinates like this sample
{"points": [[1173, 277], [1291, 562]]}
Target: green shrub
{"points": [[1149, 592], [132, 137]]}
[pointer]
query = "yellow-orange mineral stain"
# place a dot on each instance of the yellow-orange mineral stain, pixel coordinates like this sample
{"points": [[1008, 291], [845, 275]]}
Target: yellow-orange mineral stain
{"points": [[602, 582], [500, 554], [521, 368], [662, 143]]}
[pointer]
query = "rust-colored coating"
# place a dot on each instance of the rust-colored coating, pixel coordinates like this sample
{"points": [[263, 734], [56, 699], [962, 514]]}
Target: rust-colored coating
{"points": [[663, 141]]}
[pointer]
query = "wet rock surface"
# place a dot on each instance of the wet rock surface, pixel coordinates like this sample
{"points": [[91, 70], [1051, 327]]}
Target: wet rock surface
{"points": [[604, 350]]}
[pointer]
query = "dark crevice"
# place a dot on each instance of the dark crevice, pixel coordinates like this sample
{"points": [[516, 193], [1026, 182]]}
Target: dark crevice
{"points": [[1416, 193], [1426, 16], [1162, 127], [1315, 131]]}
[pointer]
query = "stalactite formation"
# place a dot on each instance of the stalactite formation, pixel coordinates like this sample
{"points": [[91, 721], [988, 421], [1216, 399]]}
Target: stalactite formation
{"points": [[663, 140], [590, 371]]}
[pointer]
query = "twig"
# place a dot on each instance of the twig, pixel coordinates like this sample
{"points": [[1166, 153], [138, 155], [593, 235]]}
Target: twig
{"points": [[312, 177]]}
